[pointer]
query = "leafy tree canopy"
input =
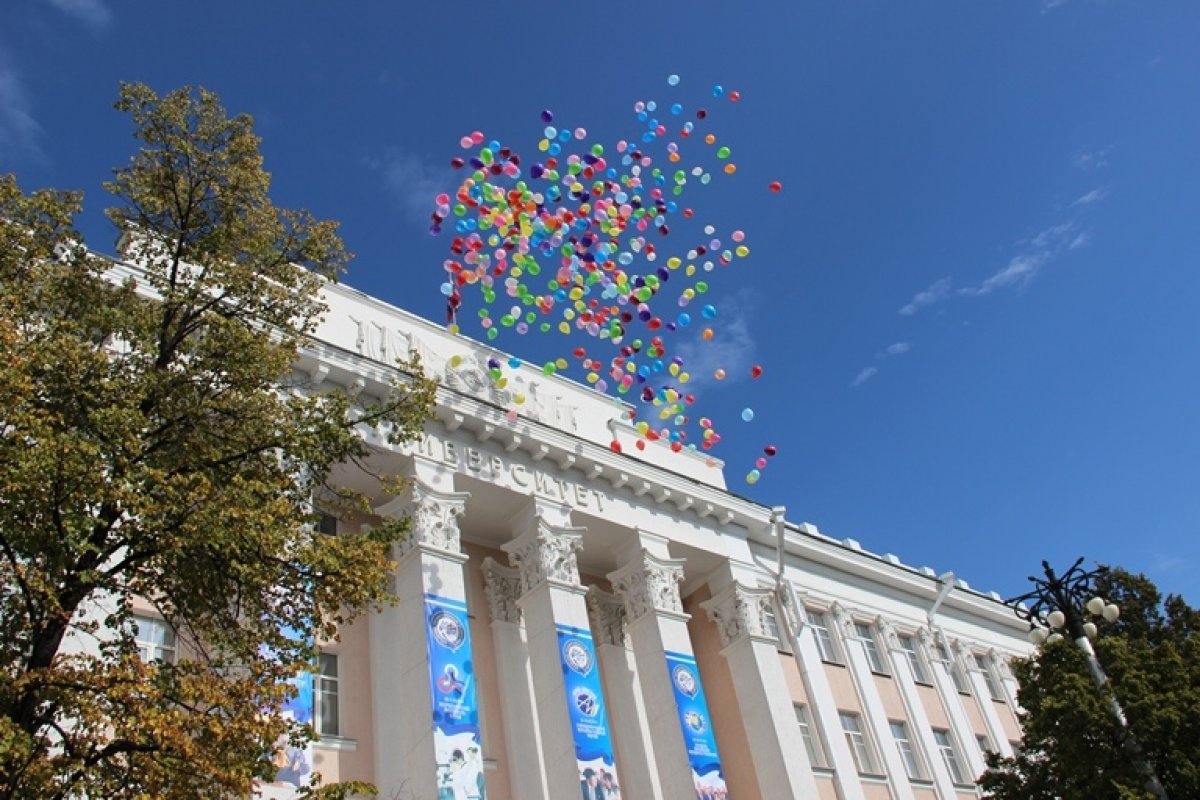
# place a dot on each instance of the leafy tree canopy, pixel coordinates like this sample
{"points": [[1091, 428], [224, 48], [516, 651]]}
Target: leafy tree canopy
{"points": [[155, 444], [1072, 746]]}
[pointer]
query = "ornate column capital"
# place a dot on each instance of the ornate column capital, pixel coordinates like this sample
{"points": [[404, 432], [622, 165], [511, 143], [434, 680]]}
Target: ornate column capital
{"points": [[546, 554], [433, 516], [738, 611], [650, 584], [502, 585], [607, 613], [842, 618], [888, 631]]}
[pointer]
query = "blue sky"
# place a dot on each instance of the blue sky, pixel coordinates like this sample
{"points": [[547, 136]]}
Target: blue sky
{"points": [[974, 299]]}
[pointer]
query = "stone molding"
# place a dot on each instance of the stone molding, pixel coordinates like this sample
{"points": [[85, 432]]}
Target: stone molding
{"points": [[738, 611], [546, 554], [502, 585], [890, 636], [607, 614], [434, 519], [649, 584]]}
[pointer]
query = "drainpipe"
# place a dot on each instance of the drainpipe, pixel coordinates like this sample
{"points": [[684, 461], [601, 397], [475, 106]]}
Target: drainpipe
{"points": [[946, 579]]}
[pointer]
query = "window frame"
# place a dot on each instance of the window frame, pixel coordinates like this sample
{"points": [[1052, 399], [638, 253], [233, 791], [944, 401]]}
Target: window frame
{"points": [[326, 686], [818, 620], [951, 756], [865, 633], [859, 742], [995, 689], [810, 736], [957, 674], [154, 648], [914, 765], [916, 660]]}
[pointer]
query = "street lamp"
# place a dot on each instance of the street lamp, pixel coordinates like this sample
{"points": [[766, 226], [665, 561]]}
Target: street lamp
{"points": [[1059, 604]]}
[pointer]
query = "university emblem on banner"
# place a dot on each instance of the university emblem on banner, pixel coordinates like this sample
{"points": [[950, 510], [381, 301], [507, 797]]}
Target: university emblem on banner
{"points": [[685, 680], [577, 656], [586, 702], [447, 630]]}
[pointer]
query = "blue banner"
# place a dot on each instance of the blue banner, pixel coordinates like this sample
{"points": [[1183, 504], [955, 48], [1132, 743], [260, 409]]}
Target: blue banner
{"points": [[696, 724], [455, 712], [293, 765], [589, 724]]}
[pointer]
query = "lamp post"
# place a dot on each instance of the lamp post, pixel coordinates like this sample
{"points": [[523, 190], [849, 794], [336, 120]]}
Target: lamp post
{"points": [[1061, 603]]}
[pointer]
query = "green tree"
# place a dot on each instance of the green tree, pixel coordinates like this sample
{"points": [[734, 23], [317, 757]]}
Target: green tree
{"points": [[1072, 746], [155, 444]]}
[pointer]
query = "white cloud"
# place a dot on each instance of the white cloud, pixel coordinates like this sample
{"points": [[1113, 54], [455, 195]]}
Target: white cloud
{"points": [[732, 347], [938, 290], [93, 13], [413, 181], [896, 349], [1050, 5], [19, 131], [862, 377], [1079, 241], [1039, 251], [1094, 196], [1092, 159]]}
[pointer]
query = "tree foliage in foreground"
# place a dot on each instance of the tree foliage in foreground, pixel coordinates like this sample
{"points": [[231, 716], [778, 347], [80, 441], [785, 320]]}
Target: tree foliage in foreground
{"points": [[1071, 746], [154, 443]]}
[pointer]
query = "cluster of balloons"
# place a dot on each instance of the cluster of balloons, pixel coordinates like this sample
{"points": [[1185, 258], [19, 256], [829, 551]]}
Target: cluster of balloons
{"points": [[576, 240]]}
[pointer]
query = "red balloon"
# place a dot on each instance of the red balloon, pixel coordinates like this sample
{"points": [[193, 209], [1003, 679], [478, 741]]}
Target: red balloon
{"points": [[755, 371], [775, 186], [770, 450], [615, 446], [735, 96]]}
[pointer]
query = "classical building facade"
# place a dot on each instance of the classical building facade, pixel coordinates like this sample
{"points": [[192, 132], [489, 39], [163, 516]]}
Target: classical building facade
{"points": [[576, 621]]}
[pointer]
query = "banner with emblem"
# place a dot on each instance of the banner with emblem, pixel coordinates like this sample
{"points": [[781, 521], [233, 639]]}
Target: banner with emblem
{"points": [[293, 765], [589, 717], [698, 734], [455, 712]]}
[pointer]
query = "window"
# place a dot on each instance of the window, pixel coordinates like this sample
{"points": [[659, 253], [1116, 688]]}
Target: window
{"points": [[908, 646], [328, 525], [985, 744], [812, 744], [860, 748], [325, 691], [989, 678], [908, 752], [155, 639], [867, 636], [771, 626], [819, 622], [956, 673], [949, 755]]}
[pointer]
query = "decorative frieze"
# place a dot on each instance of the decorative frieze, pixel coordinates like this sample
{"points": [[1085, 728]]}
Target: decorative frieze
{"points": [[546, 554], [502, 585], [738, 612], [649, 584], [607, 614]]}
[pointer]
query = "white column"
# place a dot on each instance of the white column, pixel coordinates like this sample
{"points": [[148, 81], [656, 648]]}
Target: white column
{"points": [[873, 710], [780, 760], [920, 726], [429, 560], [983, 699], [526, 771], [627, 711], [551, 595], [952, 701], [649, 587]]}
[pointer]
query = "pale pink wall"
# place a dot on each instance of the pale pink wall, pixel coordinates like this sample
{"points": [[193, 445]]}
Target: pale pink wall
{"points": [[795, 681], [934, 710], [826, 788], [722, 699], [487, 682], [974, 715], [889, 693], [1008, 720], [876, 790], [924, 793], [842, 686]]}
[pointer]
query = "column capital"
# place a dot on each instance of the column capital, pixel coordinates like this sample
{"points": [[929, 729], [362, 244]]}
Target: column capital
{"points": [[607, 613], [546, 554], [888, 631], [738, 612], [434, 519], [649, 584], [502, 585]]}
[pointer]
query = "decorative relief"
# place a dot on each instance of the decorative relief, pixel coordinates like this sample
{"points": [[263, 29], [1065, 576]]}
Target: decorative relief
{"points": [[389, 345], [649, 584], [738, 612], [434, 518], [843, 620], [547, 553], [502, 585], [890, 638], [607, 614]]}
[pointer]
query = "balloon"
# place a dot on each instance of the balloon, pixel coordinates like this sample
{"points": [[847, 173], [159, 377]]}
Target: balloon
{"points": [[752, 477], [775, 186], [672, 80], [756, 371], [747, 414], [769, 450], [719, 374]]}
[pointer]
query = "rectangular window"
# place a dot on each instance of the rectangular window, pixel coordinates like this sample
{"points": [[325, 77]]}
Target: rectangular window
{"points": [[155, 639], [950, 757], [908, 751], [956, 673], [325, 691], [908, 645], [860, 747], [985, 745], [771, 623], [989, 678], [812, 744], [867, 636], [328, 525], [819, 622]]}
